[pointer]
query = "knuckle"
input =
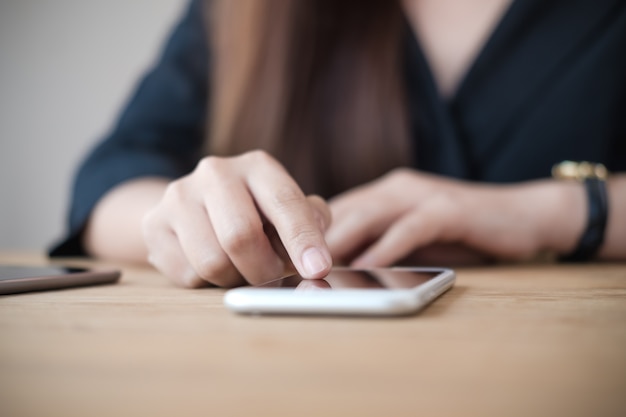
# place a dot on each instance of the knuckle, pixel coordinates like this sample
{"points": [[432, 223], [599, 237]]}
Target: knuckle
{"points": [[287, 196], [209, 164], [213, 268], [240, 236], [175, 191], [259, 156], [400, 172], [214, 171], [399, 175]]}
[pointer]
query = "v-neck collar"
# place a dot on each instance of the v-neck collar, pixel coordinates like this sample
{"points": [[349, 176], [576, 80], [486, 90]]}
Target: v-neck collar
{"points": [[431, 116], [456, 160], [483, 55], [496, 40], [489, 97]]}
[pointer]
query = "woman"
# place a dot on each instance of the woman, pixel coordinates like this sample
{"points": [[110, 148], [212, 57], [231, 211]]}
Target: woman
{"points": [[428, 127]]}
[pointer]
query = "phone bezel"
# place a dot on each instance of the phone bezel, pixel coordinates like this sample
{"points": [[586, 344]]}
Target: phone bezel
{"points": [[371, 302]]}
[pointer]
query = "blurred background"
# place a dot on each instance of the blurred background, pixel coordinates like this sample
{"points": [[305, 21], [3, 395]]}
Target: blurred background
{"points": [[66, 68]]}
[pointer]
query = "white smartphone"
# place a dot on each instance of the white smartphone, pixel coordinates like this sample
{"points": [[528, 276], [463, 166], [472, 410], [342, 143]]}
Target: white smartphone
{"points": [[19, 278], [345, 291]]}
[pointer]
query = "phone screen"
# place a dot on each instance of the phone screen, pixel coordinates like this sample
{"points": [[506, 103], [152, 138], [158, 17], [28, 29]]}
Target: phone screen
{"points": [[345, 278]]}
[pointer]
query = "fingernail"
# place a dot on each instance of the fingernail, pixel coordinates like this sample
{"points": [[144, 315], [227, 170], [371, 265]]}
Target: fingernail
{"points": [[314, 262]]}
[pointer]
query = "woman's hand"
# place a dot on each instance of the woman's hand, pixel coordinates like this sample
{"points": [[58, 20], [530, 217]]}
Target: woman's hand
{"points": [[234, 221], [408, 214]]}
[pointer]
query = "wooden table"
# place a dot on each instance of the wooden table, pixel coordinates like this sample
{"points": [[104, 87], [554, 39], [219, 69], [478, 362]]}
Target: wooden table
{"points": [[533, 340]]}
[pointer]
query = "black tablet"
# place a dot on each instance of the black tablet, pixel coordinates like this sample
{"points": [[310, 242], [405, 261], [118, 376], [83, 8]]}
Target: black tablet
{"points": [[17, 279]]}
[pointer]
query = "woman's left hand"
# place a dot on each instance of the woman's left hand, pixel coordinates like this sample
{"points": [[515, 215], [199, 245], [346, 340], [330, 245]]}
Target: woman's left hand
{"points": [[405, 212]]}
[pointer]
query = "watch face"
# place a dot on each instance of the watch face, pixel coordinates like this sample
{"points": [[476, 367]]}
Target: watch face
{"points": [[579, 170]]}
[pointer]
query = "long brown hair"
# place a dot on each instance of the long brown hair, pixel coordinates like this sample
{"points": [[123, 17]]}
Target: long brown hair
{"points": [[316, 83]]}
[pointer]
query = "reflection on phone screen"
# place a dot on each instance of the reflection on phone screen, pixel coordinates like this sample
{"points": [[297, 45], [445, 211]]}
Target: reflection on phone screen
{"points": [[346, 278]]}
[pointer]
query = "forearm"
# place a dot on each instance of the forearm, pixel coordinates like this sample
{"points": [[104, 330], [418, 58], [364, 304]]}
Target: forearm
{"points": [[114, 228]]}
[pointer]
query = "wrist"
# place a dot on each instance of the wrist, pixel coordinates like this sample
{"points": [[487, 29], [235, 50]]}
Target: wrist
{"points": [[593, 178], [564, 215]]}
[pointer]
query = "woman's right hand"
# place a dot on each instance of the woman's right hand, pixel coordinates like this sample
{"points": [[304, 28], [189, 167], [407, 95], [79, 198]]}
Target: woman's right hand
{"points": [[234, 221]]}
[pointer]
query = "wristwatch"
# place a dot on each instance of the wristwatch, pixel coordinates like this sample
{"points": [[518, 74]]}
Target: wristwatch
{"points": [[594, 177]]}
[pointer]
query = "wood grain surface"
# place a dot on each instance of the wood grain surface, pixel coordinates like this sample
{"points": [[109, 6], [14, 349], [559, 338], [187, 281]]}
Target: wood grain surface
{"points": [[516, 340]]}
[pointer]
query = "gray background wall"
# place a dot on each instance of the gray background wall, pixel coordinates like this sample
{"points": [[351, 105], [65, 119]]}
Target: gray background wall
{"points": [[66, 67]]}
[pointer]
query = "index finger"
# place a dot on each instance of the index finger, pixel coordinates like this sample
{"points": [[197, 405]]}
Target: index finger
{"points": [[284, 204]]}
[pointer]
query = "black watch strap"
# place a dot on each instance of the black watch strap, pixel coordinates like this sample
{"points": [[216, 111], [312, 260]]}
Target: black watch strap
{"points": [[598, 212], [594, 177]]}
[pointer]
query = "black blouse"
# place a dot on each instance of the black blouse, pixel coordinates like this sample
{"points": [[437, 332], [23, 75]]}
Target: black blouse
{"points": [[549, 85]]}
